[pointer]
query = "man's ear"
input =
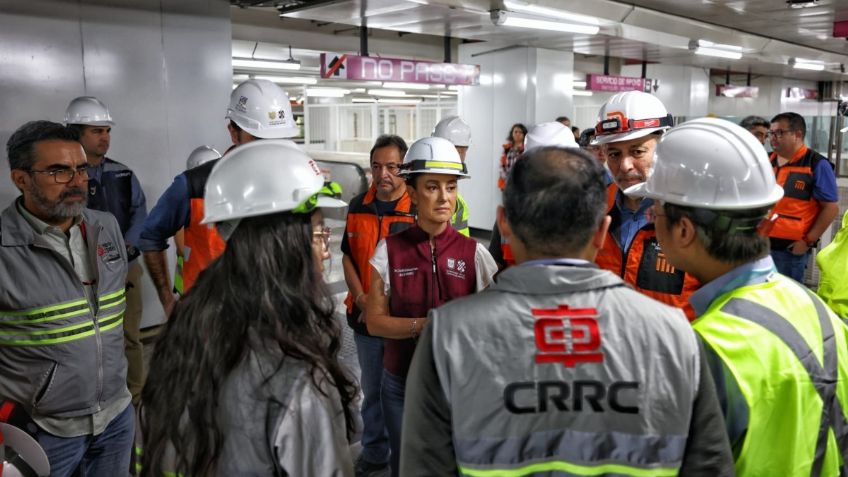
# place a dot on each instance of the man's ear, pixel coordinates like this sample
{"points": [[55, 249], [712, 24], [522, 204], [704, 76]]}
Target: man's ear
{"points": [[233, 134], [19, 178], [601, 233], [503, 224], [684, 232]]}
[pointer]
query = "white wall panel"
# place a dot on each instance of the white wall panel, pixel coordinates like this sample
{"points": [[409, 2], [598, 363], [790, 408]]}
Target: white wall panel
{"points": [[162, 67]]}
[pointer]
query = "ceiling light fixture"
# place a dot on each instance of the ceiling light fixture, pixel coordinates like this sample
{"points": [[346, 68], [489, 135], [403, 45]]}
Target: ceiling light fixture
{"points": [[326, 92], [254, 64], [512, 19], [398, 101], [363, 100], [394, 93], [802, 64], [581, 93], [545, 12], [288, 79], [718, 50], [389, 84]]}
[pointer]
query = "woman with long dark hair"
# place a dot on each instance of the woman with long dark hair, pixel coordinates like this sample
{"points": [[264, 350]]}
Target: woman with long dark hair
{"points": [[245, 378], [512, 150]]}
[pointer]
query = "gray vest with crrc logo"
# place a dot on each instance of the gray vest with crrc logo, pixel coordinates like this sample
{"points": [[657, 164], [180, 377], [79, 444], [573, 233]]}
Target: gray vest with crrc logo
{"points": [[565, 369]]}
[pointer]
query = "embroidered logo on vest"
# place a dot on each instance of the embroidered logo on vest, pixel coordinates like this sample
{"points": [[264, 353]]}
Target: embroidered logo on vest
{"points": [[568, 336]]}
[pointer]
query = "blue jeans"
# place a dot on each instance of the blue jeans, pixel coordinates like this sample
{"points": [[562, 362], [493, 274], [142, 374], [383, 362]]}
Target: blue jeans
{"points": [[103, 455], [791, 265], [393, 394], [375, 440]]}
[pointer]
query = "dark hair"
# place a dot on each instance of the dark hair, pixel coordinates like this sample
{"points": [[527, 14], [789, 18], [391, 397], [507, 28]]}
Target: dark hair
{"points": [[750, 122], [586, 137], [386, 140], [555, 199], [263, 294], [796, 122], [562, 119], [516, 125], [728, 236], [20, 148], [235, 126], [575, 129]]}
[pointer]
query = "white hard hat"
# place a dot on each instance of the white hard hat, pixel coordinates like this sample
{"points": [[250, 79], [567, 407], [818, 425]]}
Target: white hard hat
{"points": [[455, 130], [89, 111], [202, 155], [266, 177], [262, 109], [711, 163], [433, 155], [553, 133], [29, 459], [630, 115]]}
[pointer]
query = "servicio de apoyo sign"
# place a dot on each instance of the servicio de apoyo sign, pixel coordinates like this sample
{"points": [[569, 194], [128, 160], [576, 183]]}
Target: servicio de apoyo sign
{"points": [[371, 68]]}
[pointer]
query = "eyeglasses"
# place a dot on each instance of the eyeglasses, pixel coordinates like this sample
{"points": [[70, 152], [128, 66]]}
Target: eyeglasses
{"points": [[392, 168], [324, 235], [778, 133], [651, 214], [63, 176]]}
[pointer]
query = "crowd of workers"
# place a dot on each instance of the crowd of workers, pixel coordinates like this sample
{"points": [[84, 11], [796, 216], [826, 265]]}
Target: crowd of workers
{"points": [[641, 311]]}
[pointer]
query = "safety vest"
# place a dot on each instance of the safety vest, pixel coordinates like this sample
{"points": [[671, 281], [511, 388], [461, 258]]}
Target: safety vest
{"points": [[202, 242], [459, 220], [644, 265], [789, 355], [797, 210], [113, 192], [364, 230], [422, 278], [833, 262], [553, 371]]}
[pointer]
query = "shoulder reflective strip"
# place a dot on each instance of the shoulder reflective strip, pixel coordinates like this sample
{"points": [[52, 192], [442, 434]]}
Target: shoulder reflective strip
{"points": [[79, 311], [443, 165], [105, 324], [638, 451], [45, 309], [823, 379], [570, 469], [112, 304]]}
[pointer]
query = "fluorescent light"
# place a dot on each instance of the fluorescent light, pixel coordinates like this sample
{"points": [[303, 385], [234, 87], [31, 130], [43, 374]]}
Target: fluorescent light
{"points": [[358, 90], [364, 100], [428, 96], [450, 93], [708, 48], [579, 84], [581, 93], [548, 12], [394, 93], [265, 64], [802, 64], [398, 101], [453, 87], [326, 92], [388, 84], [510, 19], [289, 79]]}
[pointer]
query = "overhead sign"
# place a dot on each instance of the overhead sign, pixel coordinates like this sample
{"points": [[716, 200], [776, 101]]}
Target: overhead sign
{"points": [[372, 68], [617, 83], [733, 91], [802, 93]]}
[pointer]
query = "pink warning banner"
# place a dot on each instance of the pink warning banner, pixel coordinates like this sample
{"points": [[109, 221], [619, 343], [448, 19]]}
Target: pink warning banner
{"points": [[616, 83], [372, 68]]}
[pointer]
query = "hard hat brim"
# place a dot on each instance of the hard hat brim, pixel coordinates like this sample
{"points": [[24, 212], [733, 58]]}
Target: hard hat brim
{"points": [[93, 123], [272, 133], [642, 191], [625, 136]]}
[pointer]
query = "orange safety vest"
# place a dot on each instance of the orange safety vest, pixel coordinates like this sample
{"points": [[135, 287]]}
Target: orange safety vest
{"points": [[645, 266], [202, 242], [506, 165], [797, 210], [364, 229]]}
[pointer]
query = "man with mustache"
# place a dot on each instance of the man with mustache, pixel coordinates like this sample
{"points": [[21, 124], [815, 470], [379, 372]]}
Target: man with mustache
{"points": [[62, 304], [629, 127], [114, 188]]}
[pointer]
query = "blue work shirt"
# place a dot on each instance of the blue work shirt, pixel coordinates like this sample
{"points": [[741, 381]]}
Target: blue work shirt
{"points": [[631, 220], [171, 213]]}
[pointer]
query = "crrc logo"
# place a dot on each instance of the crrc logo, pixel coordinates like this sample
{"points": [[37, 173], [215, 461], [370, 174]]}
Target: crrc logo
{"points": [[568, 336]]}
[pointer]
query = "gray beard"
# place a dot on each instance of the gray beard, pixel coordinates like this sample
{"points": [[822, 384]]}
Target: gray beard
{"points": [[58, 211]]}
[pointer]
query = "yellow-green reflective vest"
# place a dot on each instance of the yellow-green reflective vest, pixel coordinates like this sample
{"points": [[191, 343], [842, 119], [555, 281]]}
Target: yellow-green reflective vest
{"points": [[833, 262], [459, 220], [789, 356]]}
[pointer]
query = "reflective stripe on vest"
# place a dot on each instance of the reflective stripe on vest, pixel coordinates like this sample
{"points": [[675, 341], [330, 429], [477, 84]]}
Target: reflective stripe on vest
{"points": [[459, 220], [19, 330], [823, 378], [571, 447]]}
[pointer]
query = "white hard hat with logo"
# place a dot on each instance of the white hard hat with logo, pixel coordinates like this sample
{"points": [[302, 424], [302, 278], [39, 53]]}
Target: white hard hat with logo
{"points": [[455, 130], [266, 177], [553, 133], [630, 115], [89, 111], [711, 163], [202, 155], [262, 109], [433, 155]]}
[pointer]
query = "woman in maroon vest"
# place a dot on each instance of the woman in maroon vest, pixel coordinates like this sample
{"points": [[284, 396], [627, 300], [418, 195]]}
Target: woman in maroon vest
{"points": [[419, 269]]}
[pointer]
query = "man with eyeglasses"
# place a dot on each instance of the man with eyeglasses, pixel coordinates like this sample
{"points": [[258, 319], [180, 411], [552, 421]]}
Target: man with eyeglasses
{"points": [[114, 188], [382, 210], [62, 302], [810, 199]]}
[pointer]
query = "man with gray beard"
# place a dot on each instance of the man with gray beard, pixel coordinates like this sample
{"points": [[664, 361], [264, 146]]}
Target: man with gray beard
{"points": [[62, 306]]}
